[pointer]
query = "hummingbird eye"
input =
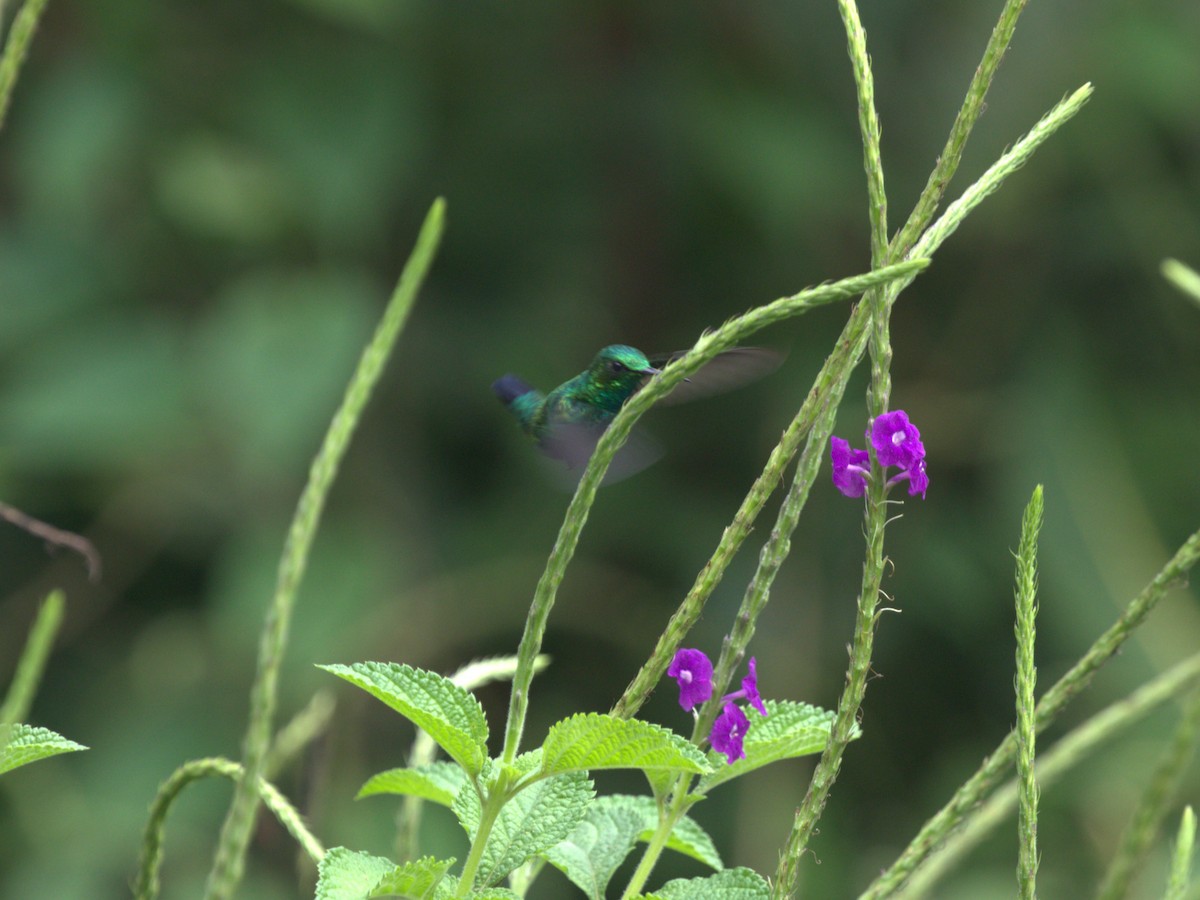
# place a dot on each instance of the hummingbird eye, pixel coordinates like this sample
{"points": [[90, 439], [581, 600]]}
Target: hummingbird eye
{"points": [[615, 367]]}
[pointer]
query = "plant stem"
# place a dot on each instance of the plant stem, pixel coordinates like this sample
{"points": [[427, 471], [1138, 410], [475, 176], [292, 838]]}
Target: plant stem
{"points": [[490, 808], [1072, 749], [968, 114], [935, 831], [667, 820], [1146, 821], [32, 664], [844, 723], [1183, 277], [1026, 594], [227, 867], [1181, 859], [16, 48], [147, 886]]}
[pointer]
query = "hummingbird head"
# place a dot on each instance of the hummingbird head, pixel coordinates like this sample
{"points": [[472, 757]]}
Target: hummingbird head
{"points": [[618, 365]]}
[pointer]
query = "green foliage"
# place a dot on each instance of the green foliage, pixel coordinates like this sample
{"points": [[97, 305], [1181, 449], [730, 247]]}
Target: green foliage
{"points": [[593, 741], [184, 290], [439, 782], [789, 730], [531, 822], [351, 875], [596, 847], [687, 837], [446, 712], [731, 884], [27, 744]]}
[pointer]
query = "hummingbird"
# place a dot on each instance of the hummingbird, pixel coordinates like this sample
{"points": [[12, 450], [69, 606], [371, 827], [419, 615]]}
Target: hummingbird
{"points": [[567, 422]]}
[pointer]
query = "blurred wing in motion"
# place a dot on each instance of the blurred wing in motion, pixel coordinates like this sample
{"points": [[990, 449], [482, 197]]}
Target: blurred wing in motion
{"points": [[573, 444], [726, 371]]}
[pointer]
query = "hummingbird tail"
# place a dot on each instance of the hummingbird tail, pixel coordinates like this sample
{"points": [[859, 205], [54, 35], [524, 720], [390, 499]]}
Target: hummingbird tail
{"points": [[509, 387]]}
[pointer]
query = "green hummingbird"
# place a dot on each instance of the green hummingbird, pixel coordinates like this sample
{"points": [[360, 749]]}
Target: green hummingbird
{"points": [[567, 422]]}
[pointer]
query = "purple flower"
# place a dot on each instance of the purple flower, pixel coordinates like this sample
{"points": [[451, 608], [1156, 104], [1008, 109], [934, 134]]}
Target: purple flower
{"points": [[750, 686], [749, 689], [850, 467], [896, 440], [729, 731], [918, 481], [693, 670]]}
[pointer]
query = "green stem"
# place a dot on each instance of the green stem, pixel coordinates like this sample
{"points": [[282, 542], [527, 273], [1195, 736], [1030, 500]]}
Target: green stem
{"points": [[845, 722], [147, 885], [16, 48], [32, 664], [1026, 601], [1181, 859], [1183, 277], [868, 124], [935, 831], [706, 348], [988, 813], [667, 820], [490, 808], [235, 833], [968, 114], [1146, 822]]}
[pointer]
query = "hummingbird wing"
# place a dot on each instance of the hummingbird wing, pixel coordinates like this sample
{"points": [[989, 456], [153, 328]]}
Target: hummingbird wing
{"points": [[728, 370], [574, 442]]}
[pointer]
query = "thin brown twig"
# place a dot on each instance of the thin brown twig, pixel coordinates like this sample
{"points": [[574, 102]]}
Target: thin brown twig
{"points": [[58, 537]]}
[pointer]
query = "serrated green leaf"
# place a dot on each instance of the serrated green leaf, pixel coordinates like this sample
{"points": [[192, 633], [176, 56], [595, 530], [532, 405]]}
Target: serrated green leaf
{"points": [[687, 837], [533, 821], [349, 874], [446, 890], [731, 884], [28, 743], [447, 713], [353, 875], [597, 846], [790, 729], [594, 741], [416, 880], [438, 782]]}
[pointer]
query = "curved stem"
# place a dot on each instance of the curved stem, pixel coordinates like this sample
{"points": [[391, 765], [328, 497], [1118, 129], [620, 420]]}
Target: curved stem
{"points": [[147, 885], [235, 833]]}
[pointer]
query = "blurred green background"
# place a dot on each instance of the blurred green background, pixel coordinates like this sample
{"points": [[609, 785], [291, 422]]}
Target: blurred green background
{"points": [[205, 206]]}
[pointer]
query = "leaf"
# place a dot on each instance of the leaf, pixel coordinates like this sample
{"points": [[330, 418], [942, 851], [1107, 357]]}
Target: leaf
{"points": [[447, 713], [597, 846], [353, 875], [790, 729], [438, 782], [418, 880], [448, 887], [731, 884], [531, 822], [595, 741], [28, 743], [687, 837]]}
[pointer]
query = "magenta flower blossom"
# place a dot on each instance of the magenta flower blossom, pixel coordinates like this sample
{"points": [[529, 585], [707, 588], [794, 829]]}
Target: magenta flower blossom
{"points": [[729, 731], [896, 440], [693, 670], [749, 689], [918, 481], [850, 467]]}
